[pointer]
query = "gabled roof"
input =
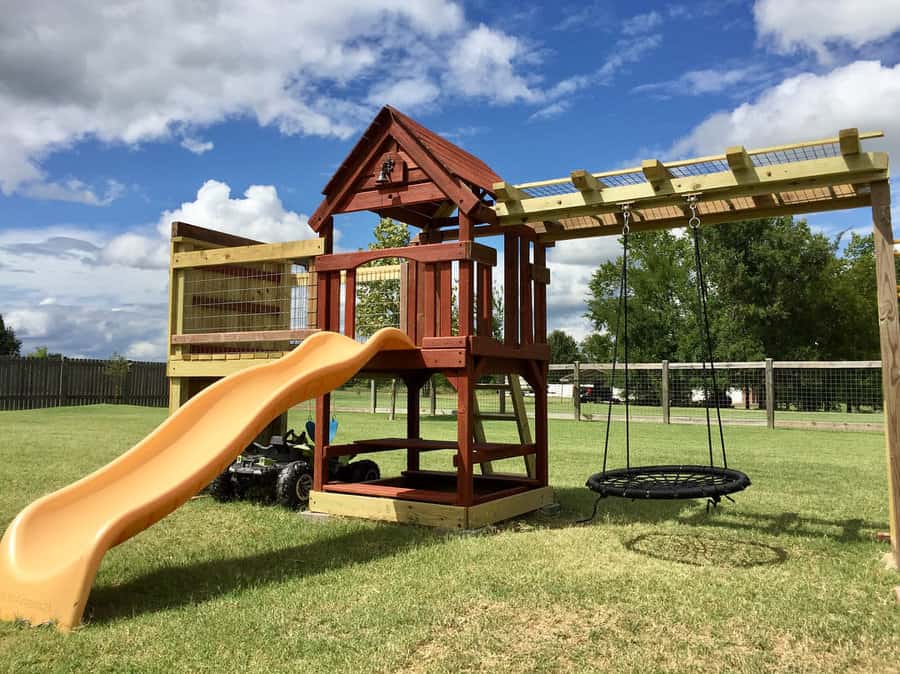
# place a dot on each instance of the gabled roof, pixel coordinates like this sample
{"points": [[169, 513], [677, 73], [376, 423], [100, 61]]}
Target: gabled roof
{"points": [[458, 177]]}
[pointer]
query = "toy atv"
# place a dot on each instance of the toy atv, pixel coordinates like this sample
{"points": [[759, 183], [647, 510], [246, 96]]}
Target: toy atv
{"points": [[284, 467]]}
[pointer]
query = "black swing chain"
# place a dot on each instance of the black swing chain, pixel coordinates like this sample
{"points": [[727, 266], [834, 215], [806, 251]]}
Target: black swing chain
{"points": [[709, 378], [620, 310]]}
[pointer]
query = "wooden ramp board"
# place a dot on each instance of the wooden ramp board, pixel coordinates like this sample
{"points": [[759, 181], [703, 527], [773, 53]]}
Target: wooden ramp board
{"points": [[430, 514]]}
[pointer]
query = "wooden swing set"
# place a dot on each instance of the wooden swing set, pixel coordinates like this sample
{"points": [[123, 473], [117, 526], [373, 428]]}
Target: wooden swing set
{"points": [[402, 170]]}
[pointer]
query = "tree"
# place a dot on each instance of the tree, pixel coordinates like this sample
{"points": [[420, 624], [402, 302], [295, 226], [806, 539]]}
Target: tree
{"points": [[117, 368], [9, 344], [659, 298], [563, 347], [378, 303], [596, 348], [39, 352]]}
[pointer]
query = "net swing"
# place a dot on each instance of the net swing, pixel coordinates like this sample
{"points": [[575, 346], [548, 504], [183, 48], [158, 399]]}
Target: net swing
{"points": [[709, 481]]}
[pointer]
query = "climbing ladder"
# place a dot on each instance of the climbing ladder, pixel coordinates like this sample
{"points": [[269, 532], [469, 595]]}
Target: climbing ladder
{"points": [[518, 415]]}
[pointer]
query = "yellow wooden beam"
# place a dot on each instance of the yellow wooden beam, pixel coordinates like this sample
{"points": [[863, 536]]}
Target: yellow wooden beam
{"points": [[265, 252], [850, 169], [738, 159], [849, 141], [655, 171], [585, 182], [507, 192]]}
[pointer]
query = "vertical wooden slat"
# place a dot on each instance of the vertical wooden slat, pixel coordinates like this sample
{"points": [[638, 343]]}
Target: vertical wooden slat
{"points": [[445, 294], [466, 280], [404, 292], [527, 325], [485, 301], [430, 294], [322, 311], [320, 462], [510, 290], [412, 308], [334, 301], [540, 296], [350, 304], [889, 333], [421, 302]]}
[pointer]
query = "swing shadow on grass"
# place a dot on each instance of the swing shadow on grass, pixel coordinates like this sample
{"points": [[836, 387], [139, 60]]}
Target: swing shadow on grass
{"points": [[181, 585], [578, 503]]}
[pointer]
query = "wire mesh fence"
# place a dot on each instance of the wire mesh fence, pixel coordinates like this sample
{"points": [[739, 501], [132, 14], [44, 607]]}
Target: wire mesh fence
{"points": [[842, 395]]}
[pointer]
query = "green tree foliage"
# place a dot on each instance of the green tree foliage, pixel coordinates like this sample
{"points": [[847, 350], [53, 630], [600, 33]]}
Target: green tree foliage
{"points": [[9, 344], [563, 347], [659, 295], [378, 303], [597, 348], [39, 352], [117, 368]]}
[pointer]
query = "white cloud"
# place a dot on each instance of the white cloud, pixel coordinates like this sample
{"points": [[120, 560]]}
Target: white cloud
{"points": [[863, 94], [625, 52], [196, 145], [99, 71], [258, 215], [110, 293], [571, 264], [482, 64], [73, 190], [816, 25], [551, 111], [642, 23], [406, 94], [701, 82]]}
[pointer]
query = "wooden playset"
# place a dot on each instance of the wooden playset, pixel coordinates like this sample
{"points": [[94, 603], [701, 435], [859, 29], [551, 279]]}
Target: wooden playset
{"points": [[401, 170]]}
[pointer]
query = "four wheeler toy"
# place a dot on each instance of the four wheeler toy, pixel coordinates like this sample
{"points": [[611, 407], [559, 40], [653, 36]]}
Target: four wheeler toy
{"points": [[284, 468]]}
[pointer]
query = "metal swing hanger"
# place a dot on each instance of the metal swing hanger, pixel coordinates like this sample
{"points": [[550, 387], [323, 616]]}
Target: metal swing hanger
{"points": [[674, 481]]}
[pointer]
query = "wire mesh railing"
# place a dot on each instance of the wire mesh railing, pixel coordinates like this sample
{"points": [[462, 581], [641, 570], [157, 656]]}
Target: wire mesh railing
{"points": [[839, 395]]}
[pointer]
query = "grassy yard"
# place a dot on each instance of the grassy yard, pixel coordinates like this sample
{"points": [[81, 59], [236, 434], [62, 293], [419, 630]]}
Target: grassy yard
{"points": [[788, 579]]}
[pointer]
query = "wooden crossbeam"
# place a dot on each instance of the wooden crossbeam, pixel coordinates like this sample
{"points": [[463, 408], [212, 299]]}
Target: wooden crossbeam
{"points": [[850, 169], [738, 159], [507, 192], [654, 170], [849, 141], [265, 252], [585, 182]]}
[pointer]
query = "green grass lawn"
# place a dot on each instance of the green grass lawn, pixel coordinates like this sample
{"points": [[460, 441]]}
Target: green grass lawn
{"points": [[787, 579]]}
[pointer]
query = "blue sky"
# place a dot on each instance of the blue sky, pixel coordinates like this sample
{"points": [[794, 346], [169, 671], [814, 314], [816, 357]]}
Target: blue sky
{"points": [[120, 118]]}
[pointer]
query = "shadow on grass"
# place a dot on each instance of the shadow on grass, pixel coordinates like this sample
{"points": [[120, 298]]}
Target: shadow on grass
{"points": [[578, 503], [174, 586], [706, 550]]}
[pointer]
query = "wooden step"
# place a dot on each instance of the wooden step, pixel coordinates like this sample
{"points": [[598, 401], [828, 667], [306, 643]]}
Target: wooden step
{"points": [[496, 417]]}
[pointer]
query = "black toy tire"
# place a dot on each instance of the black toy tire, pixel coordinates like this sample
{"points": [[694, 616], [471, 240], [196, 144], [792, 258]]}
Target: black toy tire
{"points": [[222, 488], [293, 485], [364, 471]]}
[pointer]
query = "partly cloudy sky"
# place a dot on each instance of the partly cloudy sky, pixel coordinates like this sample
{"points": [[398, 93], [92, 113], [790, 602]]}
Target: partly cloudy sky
{"points": [[120, 117]]}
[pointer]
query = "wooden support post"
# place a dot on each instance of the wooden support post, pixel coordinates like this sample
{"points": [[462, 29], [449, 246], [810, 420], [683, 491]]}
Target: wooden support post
{"points": [[322, 312], [466, 280], [373, 396], [541, 465], [526, 333], [770, 393], [664, 393], [421, 302], [393, 408], [889, 332], [510, 290], [320, 462], [464, 433], [413, 429], [350, 304], [412, 307], [430, 292], [432, 397], [576, 390]]}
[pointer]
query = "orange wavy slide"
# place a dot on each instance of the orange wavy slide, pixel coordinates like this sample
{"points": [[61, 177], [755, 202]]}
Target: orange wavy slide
{"points": [[50, 554]]}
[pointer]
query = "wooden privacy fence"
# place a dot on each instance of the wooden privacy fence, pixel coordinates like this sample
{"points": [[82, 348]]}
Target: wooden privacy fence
{"points": [[32, 383]]}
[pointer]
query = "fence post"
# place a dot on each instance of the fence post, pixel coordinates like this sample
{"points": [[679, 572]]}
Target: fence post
{"points": [[61, 393], [576, 389], [373, 396], [432, 394], [664, 392], [770, 393], [393, 399]]}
